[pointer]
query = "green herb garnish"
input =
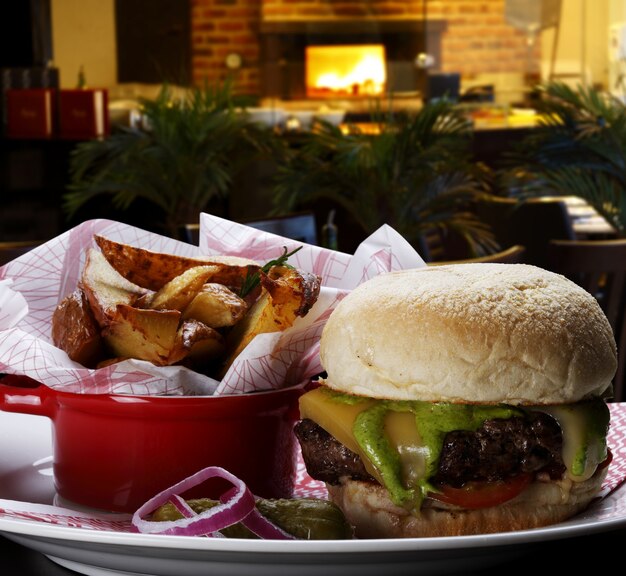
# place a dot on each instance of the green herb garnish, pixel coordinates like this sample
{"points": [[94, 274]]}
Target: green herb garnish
{"points": [[252, 280]]}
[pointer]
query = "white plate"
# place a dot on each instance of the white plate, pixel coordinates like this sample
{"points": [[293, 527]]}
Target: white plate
{"points": [[25, 448]]}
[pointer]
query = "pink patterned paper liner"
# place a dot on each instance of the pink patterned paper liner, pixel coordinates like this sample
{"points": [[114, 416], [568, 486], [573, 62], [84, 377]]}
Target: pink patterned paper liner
{"points": [[616, 440], [307, 487]]}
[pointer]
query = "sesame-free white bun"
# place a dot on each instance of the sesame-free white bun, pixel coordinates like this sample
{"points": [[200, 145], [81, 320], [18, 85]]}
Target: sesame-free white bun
{"points": [[479, 333]]}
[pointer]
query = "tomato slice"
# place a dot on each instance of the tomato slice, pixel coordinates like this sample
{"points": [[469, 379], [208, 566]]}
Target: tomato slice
{"points": [[476, 495]]}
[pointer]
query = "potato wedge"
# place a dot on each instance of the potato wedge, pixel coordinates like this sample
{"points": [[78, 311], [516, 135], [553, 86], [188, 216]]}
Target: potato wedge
{"points": [[178, 293], [75, 330], [143, 334], [286, 294], [152, 269], [105, 288], [197, 345], [285, 282], [216, 306]]}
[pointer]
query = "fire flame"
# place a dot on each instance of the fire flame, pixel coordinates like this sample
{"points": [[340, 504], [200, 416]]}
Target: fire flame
{"points": [[345, 70]]}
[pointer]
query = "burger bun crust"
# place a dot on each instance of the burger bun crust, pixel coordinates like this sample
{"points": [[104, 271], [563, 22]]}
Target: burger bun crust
{"points": [[470, 333]]}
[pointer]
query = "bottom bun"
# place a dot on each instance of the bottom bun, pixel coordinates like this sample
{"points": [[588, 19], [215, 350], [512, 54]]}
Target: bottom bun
{"points": [[368, 508]]}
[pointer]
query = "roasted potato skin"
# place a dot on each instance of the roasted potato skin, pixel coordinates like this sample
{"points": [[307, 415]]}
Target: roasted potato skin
{"points": [[152, 270], [217, 306], [105, 288], [286, 293], [305, 286], [142, 333], [200, 345], [178, 293], [75, 330]]}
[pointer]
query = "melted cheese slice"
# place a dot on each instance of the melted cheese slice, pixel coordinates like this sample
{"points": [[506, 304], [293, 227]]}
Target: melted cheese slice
{"points": [[584, 439], [337, 418], [583, 426]]}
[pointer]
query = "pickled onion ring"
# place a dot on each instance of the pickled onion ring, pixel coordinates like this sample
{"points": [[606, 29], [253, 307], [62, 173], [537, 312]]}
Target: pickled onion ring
{"points": [[188, 512], [235, 509], [236, 505], [182, 506]]}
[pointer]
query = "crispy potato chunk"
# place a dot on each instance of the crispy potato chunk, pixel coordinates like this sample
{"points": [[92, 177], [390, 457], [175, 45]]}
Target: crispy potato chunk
{"points": [[216, 306], [178, 293], [152, 269], [105, 288], [197, 345], [75, 330], [286, 294], [143, 334], [282, 282]]}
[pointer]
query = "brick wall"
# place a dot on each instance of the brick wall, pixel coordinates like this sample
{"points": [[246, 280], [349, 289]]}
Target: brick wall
{"points": [[220, 28], [477, 40]]}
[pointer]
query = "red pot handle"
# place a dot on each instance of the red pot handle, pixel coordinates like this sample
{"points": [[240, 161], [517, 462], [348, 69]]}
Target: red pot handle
{"points": [[25, 395]]}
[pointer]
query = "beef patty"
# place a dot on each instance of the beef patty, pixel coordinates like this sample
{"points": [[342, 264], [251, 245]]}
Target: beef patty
{"points": [[499, 449]]}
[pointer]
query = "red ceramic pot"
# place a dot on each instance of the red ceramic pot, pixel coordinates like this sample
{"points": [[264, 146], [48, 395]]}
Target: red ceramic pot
{"points": [[114, 452]]}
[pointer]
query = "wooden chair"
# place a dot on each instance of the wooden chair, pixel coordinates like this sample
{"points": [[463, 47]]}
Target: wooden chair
{"points": [[511, 255], [599, 266], [496, 211], [431, 247], [11, 250], [532, 223]]}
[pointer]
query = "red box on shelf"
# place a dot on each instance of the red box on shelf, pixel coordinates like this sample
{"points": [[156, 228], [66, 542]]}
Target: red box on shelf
{"points": [[83, 113], [30, 112]]}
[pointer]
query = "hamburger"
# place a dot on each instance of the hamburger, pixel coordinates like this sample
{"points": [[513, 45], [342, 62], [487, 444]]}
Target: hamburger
{"points": [[461, 399]]}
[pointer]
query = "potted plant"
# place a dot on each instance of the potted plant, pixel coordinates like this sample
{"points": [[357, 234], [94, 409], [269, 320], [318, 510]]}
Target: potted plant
{"points": [[415, 174], [578, 149], [180, 160]]}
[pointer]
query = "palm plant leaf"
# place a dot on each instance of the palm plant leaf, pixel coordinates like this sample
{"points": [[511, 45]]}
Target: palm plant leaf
{"points": [[596, 187], [185, 156], [414, 175], [580, 149]]}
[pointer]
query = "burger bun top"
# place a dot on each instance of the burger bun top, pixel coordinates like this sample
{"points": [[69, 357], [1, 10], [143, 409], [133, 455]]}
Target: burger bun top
{"points": [[470, 333]]}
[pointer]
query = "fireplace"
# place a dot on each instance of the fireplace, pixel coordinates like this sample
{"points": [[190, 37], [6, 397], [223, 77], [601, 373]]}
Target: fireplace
{"points": [[290, 48], [350, 70]]}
